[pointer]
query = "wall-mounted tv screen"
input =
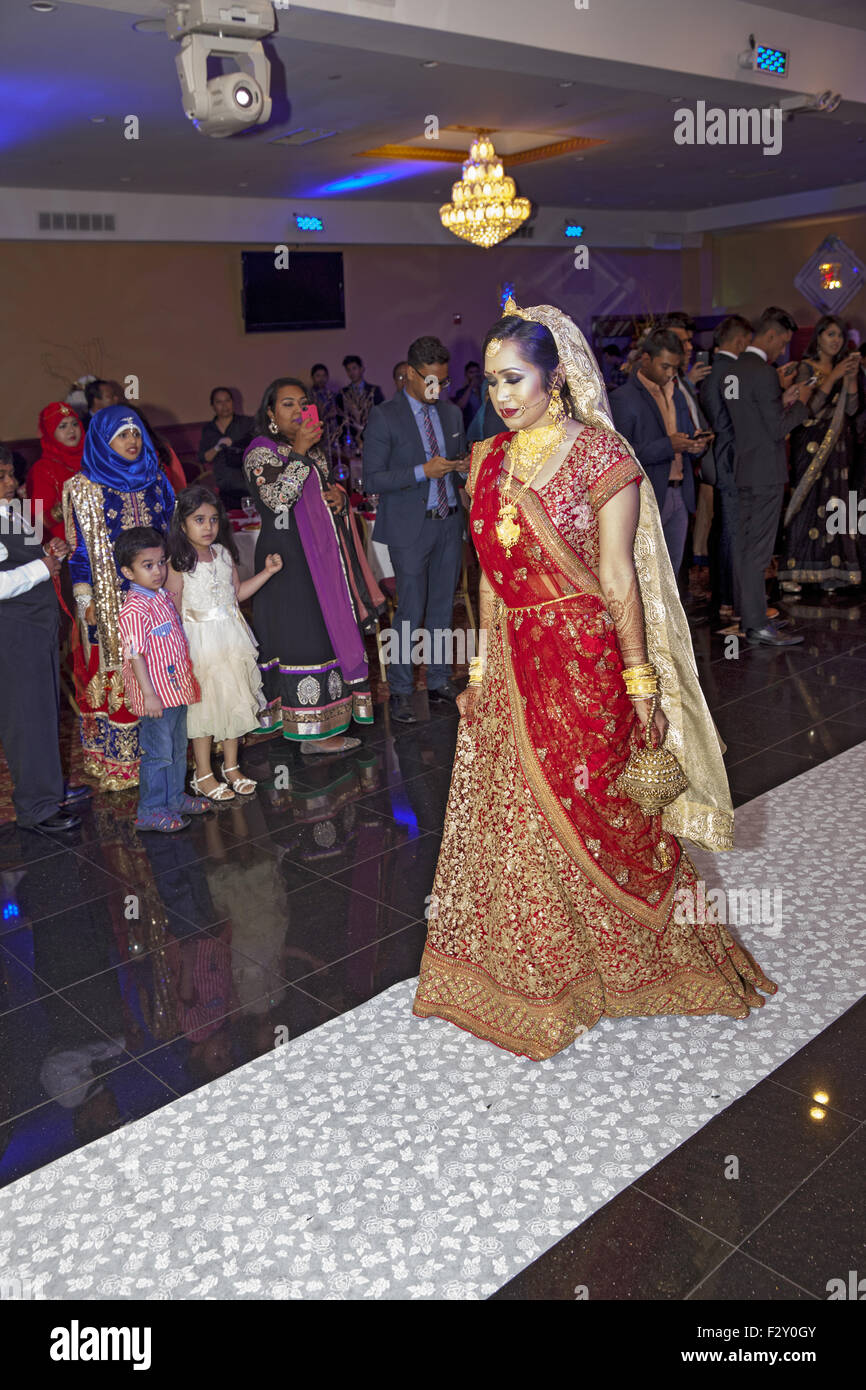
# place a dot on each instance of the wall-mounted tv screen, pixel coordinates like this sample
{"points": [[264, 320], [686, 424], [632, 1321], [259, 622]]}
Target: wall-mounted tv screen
{"points": [[307, 293]]}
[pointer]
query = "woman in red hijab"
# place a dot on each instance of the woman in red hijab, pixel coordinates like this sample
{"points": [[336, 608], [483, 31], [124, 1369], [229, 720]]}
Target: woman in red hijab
{"points": [[62, 436]]}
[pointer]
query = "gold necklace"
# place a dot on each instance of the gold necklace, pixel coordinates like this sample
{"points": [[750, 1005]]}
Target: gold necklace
{"points": [[531, 449]]}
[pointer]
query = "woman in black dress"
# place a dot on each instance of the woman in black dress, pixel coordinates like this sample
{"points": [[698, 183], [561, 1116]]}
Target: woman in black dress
{"points": [[311, 651]]}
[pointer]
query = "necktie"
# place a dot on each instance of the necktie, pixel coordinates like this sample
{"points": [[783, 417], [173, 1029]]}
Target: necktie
{"points": [[441, 490]]}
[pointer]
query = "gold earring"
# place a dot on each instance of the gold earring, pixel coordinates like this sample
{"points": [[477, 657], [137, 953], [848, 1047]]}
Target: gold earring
{"points": [[274, 427], [555, 408]]}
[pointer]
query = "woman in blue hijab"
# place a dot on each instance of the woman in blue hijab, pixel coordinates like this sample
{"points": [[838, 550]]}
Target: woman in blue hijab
{"points": [[119, 485]]}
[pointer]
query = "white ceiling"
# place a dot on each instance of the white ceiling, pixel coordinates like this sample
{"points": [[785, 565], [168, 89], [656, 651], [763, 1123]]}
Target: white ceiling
{"points": [[58, 71]]}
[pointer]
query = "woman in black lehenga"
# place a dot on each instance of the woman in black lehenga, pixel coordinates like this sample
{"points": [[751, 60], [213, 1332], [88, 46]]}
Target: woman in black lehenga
{"points": [[311, 651], [819, 548]]}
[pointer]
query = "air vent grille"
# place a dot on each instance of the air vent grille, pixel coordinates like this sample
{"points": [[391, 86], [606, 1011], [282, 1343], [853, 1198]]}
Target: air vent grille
{"points": [[76, 222]]}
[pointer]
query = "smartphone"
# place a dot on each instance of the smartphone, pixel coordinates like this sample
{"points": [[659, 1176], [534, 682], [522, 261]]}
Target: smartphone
{"points": [[702, 359], [310, 415]]}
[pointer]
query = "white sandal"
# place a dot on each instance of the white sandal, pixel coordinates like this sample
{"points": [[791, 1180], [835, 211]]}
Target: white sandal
{"points": [[219, 793], [245, 785]]}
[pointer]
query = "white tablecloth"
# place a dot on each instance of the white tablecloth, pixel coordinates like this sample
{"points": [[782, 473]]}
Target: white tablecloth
{"points": [[246, 544], [377, 554]]}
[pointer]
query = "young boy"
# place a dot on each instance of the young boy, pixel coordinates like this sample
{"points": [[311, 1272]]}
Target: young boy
{"points": [[159, 682]]}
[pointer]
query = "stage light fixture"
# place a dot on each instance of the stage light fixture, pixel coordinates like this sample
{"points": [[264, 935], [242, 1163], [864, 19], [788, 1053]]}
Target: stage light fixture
{"points": [[207, 29]]}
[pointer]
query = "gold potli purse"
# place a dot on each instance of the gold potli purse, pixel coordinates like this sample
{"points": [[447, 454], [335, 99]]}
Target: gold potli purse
{"points": [[652, 777]]}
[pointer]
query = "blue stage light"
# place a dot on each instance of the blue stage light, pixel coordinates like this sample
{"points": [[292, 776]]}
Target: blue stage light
{"points": [[773, 60], [309, 224], [506, 293], [573, 229]]}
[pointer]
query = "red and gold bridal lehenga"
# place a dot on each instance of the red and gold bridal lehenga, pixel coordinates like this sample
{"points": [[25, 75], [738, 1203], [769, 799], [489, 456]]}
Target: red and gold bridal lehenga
{"points": [[554, 898]]}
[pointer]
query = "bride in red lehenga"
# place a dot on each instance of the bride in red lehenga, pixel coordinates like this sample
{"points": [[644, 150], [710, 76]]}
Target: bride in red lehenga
{"points": [[557, 900]]}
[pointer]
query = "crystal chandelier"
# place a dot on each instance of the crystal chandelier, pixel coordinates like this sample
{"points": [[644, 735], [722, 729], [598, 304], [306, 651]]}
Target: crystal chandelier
{"points": [[484, 209]]}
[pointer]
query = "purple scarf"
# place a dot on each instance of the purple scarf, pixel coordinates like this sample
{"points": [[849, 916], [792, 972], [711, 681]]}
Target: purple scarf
{"points": [[322, 551]]}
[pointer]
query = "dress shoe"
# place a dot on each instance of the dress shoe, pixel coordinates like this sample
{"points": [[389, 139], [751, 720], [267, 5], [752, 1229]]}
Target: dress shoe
{"points": [[448, 691], [771, 636], [74, 795], [61, 820], [401, 709]]}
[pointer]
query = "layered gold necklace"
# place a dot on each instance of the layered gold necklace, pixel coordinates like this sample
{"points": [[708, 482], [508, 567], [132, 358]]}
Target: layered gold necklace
{"points": [[530, 449]]}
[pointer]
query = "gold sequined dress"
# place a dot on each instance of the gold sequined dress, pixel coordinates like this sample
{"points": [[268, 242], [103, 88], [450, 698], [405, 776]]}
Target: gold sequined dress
{"points": [[555, 897]]}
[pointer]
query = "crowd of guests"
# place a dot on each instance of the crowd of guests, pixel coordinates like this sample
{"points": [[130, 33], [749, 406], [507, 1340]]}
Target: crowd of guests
{"points": [[747, 461], [712, 438]]}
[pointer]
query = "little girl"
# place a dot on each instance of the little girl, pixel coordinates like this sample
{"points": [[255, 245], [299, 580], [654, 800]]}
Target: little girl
{"points": [[203, 580]]}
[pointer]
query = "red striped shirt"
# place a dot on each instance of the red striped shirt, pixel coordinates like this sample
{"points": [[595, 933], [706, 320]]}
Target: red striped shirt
{"points": [[150, 627]]}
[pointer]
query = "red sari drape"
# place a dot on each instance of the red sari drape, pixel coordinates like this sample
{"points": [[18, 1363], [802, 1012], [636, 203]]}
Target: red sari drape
{"points": [[555, 897]]}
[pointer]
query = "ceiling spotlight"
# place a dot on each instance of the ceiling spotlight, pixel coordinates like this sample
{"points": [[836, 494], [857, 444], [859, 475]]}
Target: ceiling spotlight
{"points": [[235, 100], [431, 63], [566, 84], [99, 120], [42, 7], [824, 102]]}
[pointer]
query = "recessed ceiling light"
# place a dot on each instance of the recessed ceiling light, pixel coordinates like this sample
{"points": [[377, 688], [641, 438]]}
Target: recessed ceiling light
{"points": [[42, 7], [675, 100], [334, 76], [99, 120], [566, 84], [149, 26], [431, 63]]}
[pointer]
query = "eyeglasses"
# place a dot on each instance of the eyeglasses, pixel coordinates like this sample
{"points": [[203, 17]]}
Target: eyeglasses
{"points": [[443, 384]]}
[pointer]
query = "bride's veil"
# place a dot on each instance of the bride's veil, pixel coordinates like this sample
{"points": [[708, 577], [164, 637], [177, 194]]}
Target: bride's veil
{"points": [[703, 813]]}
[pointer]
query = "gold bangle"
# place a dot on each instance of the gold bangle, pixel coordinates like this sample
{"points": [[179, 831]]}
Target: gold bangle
{"points": [[645, 687], [646, 669]]}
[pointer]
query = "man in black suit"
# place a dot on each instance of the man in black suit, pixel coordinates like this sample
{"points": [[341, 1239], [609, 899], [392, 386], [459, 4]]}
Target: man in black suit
{"points": [[762, 415], [414, 448], [732, 336]]}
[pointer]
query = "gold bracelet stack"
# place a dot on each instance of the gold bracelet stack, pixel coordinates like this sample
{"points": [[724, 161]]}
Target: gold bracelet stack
{"points": [[476, 670], [641, 682]]}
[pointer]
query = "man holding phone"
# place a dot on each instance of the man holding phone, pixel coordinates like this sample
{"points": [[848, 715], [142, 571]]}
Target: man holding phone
{"points": [[414, 458], [688, 378], [652, 413]]}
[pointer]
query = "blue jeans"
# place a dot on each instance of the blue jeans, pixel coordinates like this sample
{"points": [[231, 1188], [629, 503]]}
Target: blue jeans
{"points": [[163, 761]]}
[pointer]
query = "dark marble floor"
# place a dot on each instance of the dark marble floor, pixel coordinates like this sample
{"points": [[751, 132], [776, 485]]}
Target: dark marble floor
{"points": [[134, 969]]}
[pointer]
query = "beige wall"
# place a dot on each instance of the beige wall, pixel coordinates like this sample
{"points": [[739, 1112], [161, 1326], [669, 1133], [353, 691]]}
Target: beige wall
{"points": [[171, 315], [755, 268]]}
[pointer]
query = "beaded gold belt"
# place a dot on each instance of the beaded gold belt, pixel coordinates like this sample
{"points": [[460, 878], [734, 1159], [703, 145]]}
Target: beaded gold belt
{"points": [[543, 603]]}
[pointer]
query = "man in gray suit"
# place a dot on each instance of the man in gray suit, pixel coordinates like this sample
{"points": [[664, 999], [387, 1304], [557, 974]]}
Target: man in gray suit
{"points": [[762, 416], [414, 458]]}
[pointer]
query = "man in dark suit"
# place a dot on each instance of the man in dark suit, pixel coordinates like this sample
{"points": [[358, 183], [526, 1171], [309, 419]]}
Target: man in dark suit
{"points": [[762, 415], [652, 413], [414, 448], [732, 336]]}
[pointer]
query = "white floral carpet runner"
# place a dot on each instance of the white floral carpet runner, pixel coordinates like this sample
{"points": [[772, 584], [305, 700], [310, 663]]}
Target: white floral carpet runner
{"points": [[382, 1156]]}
